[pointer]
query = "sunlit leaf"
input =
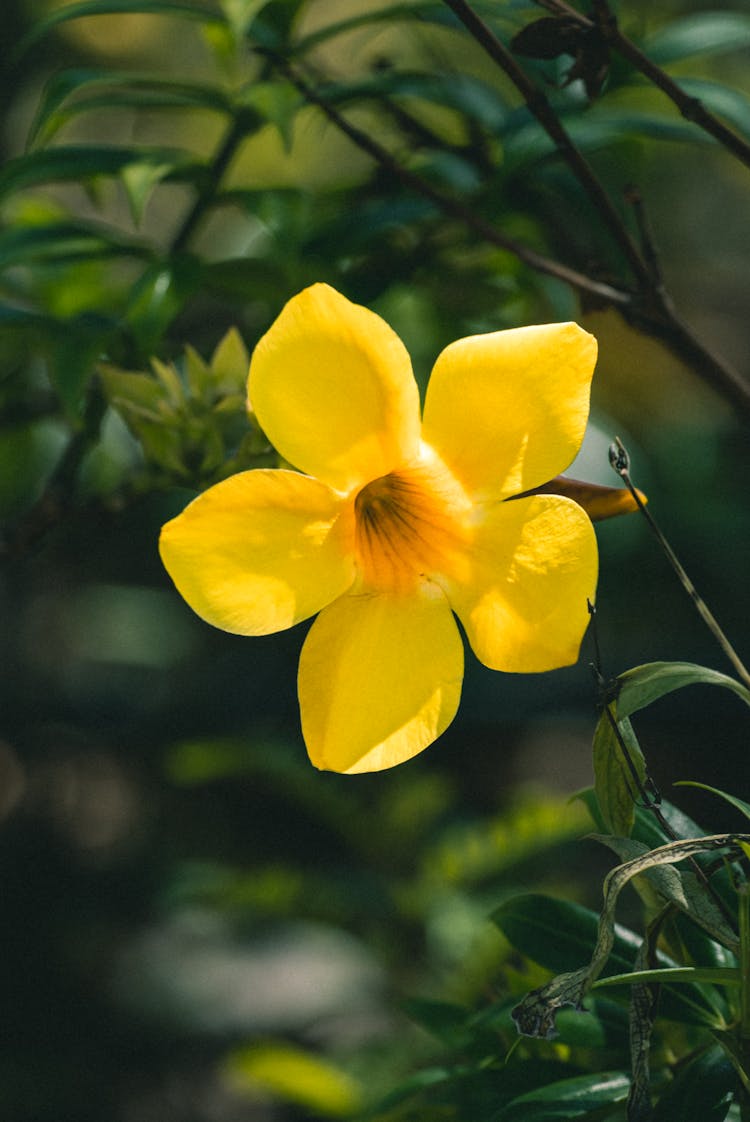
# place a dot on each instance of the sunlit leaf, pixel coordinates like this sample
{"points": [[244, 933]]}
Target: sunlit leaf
{"points": [[614, 782], [230, 362], [185, 9], [295, 1076]]}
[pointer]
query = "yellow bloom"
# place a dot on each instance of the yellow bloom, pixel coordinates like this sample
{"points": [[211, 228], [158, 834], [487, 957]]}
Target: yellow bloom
{"points": [[398, 522]]}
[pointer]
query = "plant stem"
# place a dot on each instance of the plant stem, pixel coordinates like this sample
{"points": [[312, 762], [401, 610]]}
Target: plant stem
{"points": [[620, 461], [454, 207], [234, 135], [540, 107]]}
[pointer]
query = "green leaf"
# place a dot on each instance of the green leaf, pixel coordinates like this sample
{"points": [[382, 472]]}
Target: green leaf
{"points": [[240, 14], [535, 1015], [185, 9], [701, 1091], [568, 1098], [560, 935], [733, 105], [82, 162], [418, 10], [715, 976], [58, 242], [230, 362], [614, 783], [737, 803], [703, 33], [679, 887], [74, 356], [159, 296], [642, 685], [119, 90], [277, 102]]}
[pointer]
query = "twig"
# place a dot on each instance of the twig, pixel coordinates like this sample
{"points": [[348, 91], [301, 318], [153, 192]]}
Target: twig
{"points": [[651, 312], [234, 136], [540, 107], [620, 461], [617, 297], [691, 108]]}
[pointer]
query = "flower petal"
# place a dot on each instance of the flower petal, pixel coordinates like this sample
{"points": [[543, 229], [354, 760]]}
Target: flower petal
{"points": [[533, 568], [260, 551], [507, 411], [333, 389], [379, 679]]}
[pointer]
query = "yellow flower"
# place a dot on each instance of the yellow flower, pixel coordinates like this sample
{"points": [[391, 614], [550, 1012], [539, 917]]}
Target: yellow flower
{"points": [[399, 521]]}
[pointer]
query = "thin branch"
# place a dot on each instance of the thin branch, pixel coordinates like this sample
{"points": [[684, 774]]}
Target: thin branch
{"points": [[234, 136], [691, 108], [620, 461], [451, 206], [651, 312], [540, 107]]}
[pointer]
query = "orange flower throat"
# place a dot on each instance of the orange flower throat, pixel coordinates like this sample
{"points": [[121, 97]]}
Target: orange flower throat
{"points": [[408, 528]]}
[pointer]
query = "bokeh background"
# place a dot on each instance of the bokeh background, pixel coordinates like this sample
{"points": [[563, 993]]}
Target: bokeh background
{"points": [[196, 924]]}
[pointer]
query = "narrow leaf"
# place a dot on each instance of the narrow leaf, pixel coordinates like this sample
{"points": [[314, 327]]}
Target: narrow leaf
{"points": [[81, 162], [737, 803], [715, 976], [182, 8], [71, 92], [568, 1098], [703, 33], [642, 685]]}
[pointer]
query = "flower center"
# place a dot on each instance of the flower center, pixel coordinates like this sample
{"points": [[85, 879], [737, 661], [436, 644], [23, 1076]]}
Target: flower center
{"points": [[409, 527]]}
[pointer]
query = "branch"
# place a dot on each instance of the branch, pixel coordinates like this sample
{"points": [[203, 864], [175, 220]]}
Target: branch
{"points": [[651, 312], [540, 107], [691, 108], [620, 298]]}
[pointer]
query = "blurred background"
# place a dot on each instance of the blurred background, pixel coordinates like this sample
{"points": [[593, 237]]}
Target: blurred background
{"points": [[196, 923]]}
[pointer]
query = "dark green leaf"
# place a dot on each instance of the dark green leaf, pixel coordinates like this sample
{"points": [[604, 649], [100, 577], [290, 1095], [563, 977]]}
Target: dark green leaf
{"points": [[642, 685], [738, 804], [701, 1092], [63, 241], [115, 90], [700, 34], [561, 936], [568, 1098], [79, 163]]}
